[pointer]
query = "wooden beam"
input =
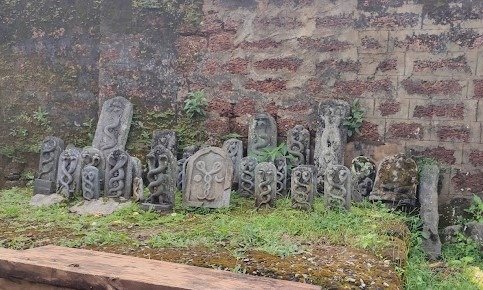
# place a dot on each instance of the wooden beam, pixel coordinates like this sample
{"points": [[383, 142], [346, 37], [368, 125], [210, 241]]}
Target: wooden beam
{"points": [[84, 269]]}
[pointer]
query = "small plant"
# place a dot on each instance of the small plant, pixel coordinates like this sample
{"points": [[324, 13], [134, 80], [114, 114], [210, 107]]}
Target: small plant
{"points": [[195, 105], [354, 121], [41, 117], [476, 209], [270, 154]]}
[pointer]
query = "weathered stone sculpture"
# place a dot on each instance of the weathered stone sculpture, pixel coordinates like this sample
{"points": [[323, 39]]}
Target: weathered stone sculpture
{"points": [[137, 167], [246, 185], [363, 172], [337, 186], [113, 126], [428, 198], [331, 136], [304, 187], [69, 171], [50, 152], [298, 143], [209, 175], [138, 189], [166, 138], [396, 182], [90, 183], [234, 148], [282, 169], [187, 153], [262, 134], [94, 157], [162, 177], [265, 185], [119, 172]]}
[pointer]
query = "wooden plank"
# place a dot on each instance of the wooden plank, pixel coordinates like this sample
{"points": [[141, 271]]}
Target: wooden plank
{"points": [[84, 269]]}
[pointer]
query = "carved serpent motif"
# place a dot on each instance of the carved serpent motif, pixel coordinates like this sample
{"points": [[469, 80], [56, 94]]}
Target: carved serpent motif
{"points": [[340, 186], [116, 175], [265, 195], [88, 185], [247, 179], [296, 149], [69, 165], [281, 175], [157, 175], [112, 138], [301, 189], [208, 177], [48, 158]]}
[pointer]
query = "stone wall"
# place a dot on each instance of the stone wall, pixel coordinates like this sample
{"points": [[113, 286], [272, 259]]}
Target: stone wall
{"points": [[416, 66]]}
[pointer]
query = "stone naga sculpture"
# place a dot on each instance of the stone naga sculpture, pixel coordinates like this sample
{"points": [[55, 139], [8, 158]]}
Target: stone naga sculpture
{"points": [[246, 185], [119, 171], [90, 182], [262, 133], [304, 187], [50, 152], [68, 180], [298, 143], [337, 187], [363, 171], [282, 169], [187, 153], [265, 185], [234, 148]]}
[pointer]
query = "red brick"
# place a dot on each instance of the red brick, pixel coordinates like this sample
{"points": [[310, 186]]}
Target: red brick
{"points": [[470, 181], [335, 21], [439, 153], [339, 65], [390, 20], [389, 107], [278, 22], [211, 24], [272, 109], [455, 64], [220, 106], [355, 88], [445, 87], [261, 44], [289, 63], [218, 126], [244, 107], [327, 44], [189, 46], [267, 86], [476, 158], [387, 65], [369, 132], [405, 131], [423, 42], [221, 41], [370, 43], [211, 66], [454, 111], [478, 89], [237, 66], [454, 133]]}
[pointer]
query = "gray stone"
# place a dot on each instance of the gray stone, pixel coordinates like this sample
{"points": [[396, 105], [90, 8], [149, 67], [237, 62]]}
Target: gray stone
{"points": [[98, 207], [265, 185], [282, 169], [137, 167], [114, 125], [166, 138], [262, 134], [187, 153], [234, 148], [337, 186], [331, 136], [91, 183], [39, 200], [303, 187], [94, 157], [119, 172], [246, 185], [69, 172], [138, 189], [162, 177], [209, 175], [298, 144], [473, 230], [449, 233], [50, 152], [396, 182], [363, 171], [428, 198]]}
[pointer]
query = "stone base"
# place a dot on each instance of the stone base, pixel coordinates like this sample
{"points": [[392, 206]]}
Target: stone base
{"points": [[157, 207], [42, 186], [97, 207], [46, 200]]}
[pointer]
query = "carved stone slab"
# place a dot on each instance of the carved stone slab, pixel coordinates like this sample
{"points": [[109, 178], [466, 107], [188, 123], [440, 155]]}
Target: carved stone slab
{"points": [[90, 183], [162, 177], [246, 185], [166, 138], [137, 167], [337, 186], [396, 181], [114, 125], [262, 133], [138, 189], [298, 143], [363, 171], [50, 152], [187, 153], [428, 198], [265, 185], [234, 148], [119, 171], [282, 172], [68, 172], [303, 187], [331, 136], [209, 175], [94, 157]]}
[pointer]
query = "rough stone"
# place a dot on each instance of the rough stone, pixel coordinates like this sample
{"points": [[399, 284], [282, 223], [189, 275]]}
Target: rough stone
{"points": [[137, 168], [428, 198], [39, 200], [337, 186], [303, 187], [69, 172], [246, 185], [363, 171], [90, 183], [114, 125], [298, 143], [50, 152], [331, 136], [234, 148], [94, 157], [166, 138], [97, 207], [119, 170], [209, 175], [162, 177], [282, 171], [138, 189], [262, 134], [265, 185], [187, 153], [396, 181]]}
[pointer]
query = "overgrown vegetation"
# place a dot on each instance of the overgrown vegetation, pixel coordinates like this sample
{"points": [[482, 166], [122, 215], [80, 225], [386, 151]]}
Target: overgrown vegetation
{"points": [[195, 105], [271, 154], [354, 121]]}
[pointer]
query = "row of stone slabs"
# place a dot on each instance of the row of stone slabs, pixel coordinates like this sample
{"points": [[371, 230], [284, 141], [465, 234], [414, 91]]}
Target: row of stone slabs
{"points": [[207, 176]]}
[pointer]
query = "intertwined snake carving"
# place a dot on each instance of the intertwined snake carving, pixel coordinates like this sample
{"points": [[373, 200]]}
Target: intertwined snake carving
{"points": [[88, 179], [265, 195], [337, 187], [68, 167], [301, 190], [247, 178], [157, 176], [48, 156], [116, 174], [112, 138], [208, 177]]}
